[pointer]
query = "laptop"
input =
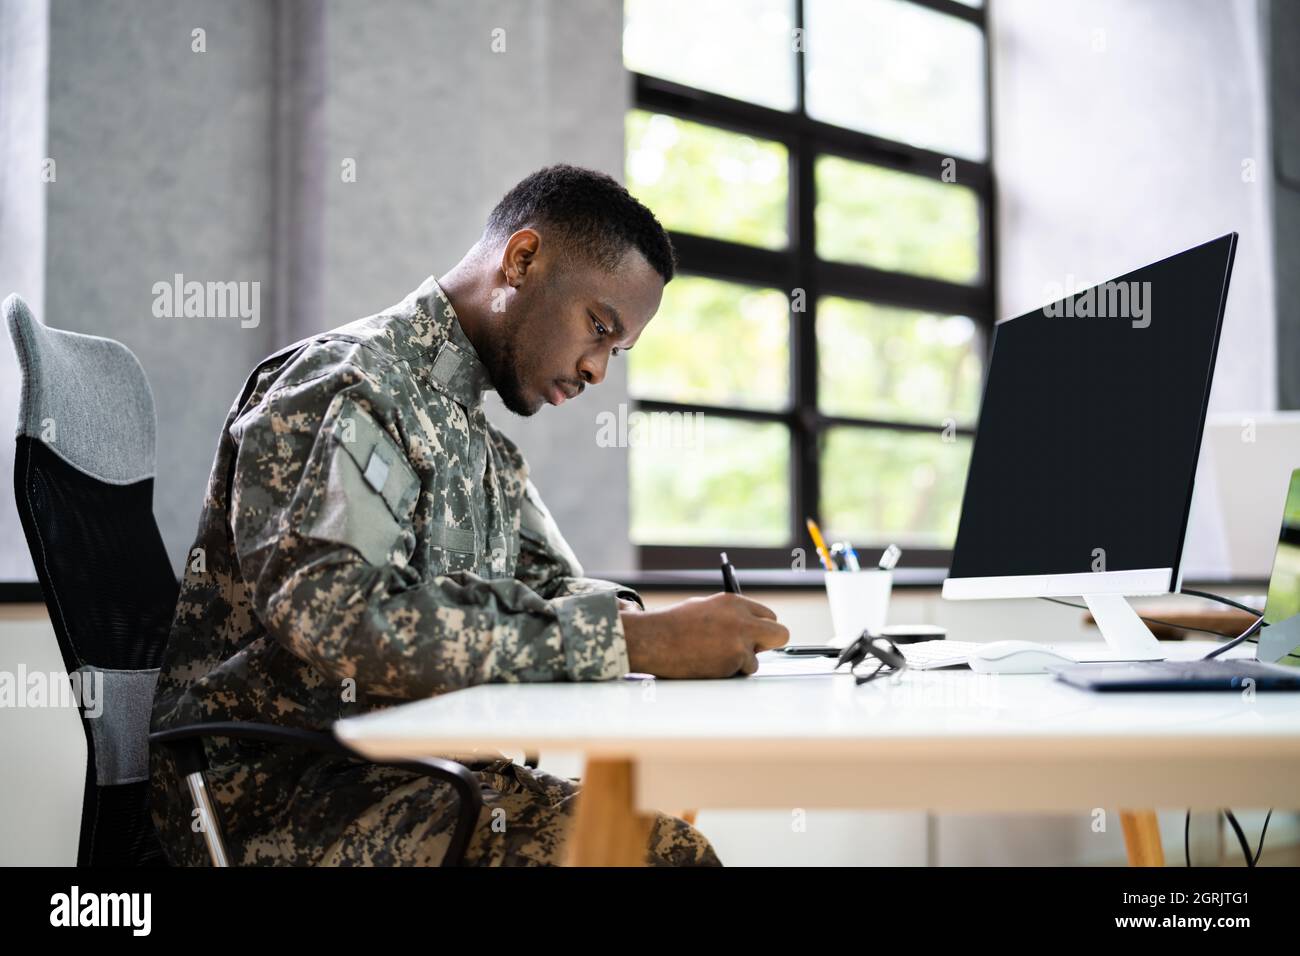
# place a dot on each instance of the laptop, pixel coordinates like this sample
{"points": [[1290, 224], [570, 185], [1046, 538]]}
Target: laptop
{"points": [[1247, 459], [1276, 664]]}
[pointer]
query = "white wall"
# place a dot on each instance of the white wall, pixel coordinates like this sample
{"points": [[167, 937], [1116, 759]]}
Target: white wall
{"points": [[1120, 129]]}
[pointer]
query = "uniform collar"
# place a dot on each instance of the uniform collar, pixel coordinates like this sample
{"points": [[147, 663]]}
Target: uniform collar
{"points": [[456, 367]]}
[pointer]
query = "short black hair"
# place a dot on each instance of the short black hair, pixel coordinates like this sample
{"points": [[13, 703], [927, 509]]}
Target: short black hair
{"points": [[590, 210]]}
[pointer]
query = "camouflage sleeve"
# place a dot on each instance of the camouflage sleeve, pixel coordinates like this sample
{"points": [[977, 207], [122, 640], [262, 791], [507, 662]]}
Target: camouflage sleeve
{"points": [[546, 562], [322, 505]]}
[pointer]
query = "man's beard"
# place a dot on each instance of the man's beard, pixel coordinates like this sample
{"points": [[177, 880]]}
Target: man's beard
{"points": [[503, 366]]}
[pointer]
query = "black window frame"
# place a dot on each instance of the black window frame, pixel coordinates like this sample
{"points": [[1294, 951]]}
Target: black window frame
{"points": [[798, 267]]}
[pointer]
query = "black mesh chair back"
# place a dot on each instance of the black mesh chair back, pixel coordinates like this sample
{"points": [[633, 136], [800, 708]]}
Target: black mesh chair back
{"points": [[83, 481]]}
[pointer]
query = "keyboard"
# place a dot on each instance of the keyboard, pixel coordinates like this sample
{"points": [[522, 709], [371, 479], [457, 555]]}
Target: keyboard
{"points": [[930, 655]]}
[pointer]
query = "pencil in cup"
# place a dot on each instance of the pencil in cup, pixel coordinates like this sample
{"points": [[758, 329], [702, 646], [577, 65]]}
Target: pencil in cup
{"points": [[820, 544]]}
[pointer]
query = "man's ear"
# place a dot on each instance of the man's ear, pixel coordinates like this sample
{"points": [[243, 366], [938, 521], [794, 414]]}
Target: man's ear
{"points": [[519, 254]]}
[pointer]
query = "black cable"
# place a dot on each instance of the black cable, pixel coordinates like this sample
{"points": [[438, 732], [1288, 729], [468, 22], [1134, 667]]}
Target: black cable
{"points": [[1149, 620], [1222, 600], [1241, 837], [1259, 851], [1244, 635], [1233, 639]]}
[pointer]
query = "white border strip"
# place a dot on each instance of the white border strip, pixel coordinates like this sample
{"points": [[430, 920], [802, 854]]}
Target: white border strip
{"points": [[1143, 581]]}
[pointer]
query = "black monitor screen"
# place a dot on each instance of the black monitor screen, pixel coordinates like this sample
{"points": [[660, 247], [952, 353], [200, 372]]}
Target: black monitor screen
{"points": [[1090, 427]]}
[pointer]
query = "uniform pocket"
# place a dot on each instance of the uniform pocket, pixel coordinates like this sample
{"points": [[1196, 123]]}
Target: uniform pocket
{"points": [[459, 547]]}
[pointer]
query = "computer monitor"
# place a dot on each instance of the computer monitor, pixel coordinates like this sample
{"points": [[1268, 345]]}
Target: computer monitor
{"points": [[1085, 453]]}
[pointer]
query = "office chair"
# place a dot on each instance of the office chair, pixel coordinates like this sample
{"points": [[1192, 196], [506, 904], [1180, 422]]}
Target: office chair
{"points": [[83, 483]]}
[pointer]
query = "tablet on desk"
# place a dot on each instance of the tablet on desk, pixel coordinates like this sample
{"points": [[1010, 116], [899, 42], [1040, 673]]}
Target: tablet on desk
{"points": [[1219, 674]]}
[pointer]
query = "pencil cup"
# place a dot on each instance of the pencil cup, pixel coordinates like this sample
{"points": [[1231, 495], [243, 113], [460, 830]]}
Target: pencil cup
{"points": [[859, 601]]}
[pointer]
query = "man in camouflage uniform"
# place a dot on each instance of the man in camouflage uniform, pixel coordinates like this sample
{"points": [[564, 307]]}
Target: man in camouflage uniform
{"points": [[368, 538]]}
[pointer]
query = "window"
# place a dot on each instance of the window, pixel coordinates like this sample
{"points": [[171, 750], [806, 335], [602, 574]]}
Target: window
{"points": [[823, 168]]}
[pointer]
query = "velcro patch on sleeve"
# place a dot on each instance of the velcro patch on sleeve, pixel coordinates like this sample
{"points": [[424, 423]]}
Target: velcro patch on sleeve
{"points": [[369, 491], [376, 473]]}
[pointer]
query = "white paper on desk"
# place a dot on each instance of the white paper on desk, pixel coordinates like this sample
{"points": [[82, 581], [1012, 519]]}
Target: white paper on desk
{"points": [[771, 664]]}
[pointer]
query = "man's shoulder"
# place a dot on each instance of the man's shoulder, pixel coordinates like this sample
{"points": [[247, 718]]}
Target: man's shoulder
{"points": [[377, 348], [367, 344]]}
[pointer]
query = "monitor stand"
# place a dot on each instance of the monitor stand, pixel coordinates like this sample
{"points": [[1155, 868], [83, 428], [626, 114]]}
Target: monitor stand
{"points": [[1127, 635]]}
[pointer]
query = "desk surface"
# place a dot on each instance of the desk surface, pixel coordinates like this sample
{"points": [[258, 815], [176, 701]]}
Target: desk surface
{"points": [[956, 739], [793, 713]]}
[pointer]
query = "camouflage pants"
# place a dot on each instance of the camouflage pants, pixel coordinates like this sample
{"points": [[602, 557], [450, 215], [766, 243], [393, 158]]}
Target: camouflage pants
{"points": [[366, 815]]}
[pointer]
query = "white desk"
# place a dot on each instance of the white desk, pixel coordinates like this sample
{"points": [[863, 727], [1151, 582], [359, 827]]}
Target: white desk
{"points": [[937, 740]]}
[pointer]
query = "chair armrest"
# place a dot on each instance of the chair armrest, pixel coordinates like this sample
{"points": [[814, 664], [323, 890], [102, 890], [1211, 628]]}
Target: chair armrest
{"points": [[183, 741]]}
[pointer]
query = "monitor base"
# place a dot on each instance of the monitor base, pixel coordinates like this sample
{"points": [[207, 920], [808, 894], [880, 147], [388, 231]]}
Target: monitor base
{"points": [[1125, 632]]}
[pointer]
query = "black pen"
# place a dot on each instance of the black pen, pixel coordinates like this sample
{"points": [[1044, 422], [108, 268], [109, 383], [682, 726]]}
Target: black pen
{"points": [[729, 582]]}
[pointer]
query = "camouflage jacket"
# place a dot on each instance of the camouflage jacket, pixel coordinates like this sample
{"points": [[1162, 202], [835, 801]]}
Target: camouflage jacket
{"points": [[367, 537]]}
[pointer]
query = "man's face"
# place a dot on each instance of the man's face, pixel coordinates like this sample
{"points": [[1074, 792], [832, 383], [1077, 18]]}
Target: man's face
{"points": [[563, 323]]}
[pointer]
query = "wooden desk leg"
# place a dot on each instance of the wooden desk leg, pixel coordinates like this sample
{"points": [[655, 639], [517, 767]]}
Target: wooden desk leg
{"points": [[608, 830], [1142, 838]]}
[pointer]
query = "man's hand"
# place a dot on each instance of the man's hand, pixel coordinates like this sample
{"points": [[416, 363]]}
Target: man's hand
{"points": [[714, 636]]}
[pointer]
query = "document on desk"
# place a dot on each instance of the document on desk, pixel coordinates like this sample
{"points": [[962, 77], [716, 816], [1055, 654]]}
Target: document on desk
{"points": [[771, 664]]}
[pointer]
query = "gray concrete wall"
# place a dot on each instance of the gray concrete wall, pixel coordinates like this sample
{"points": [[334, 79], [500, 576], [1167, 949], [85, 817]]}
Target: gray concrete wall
{"points": [[440, 126], [165, 160], [225, 165], [24, 61], [1283, 30]]}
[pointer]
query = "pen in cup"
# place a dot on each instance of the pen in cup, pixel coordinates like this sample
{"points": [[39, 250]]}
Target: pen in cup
{"points": [[844, 557], [889, 559]]}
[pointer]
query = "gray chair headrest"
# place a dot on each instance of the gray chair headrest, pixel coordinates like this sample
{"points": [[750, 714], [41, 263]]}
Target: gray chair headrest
{"points": [[84, 397]]}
